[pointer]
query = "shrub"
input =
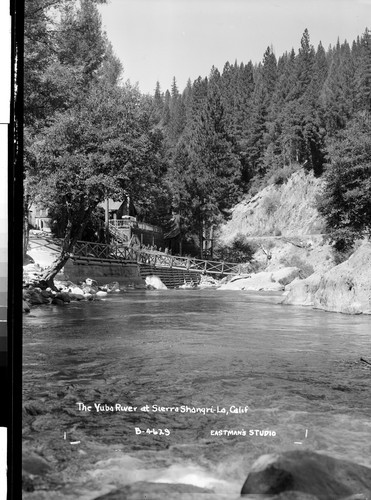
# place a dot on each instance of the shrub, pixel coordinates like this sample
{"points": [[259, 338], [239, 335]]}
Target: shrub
{"points": [[342, 253], [295, 261], [239, 250], [280, 175], [270, 204]]}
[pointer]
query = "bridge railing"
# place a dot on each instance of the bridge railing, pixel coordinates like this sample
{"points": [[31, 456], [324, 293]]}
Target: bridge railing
{"points": [[90, 250], [158, 259]]}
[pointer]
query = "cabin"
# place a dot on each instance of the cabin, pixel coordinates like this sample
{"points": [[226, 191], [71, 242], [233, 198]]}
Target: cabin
{"points": [[121, 217], [38, 218]]}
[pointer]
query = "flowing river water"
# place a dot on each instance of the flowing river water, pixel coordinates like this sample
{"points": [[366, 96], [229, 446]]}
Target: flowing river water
{"points": [[203, 361]]}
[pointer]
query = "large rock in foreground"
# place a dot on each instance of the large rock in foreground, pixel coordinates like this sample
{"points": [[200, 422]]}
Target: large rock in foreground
{"points": [[345, 288], [310, 473]]}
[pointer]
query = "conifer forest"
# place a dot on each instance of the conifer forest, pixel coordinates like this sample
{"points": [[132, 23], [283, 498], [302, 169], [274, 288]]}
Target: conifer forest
{"points": [[189, 155]]}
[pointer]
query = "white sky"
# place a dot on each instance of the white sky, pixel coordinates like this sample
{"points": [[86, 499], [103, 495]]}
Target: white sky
{"points": [[159, 39]]}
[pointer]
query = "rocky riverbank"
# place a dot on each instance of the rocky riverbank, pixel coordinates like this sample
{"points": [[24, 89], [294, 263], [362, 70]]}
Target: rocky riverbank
{"points": [[345, 288], [36, 292]]}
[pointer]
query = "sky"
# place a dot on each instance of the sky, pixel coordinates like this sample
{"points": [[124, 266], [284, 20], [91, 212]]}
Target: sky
{"points": [[157, 40]]}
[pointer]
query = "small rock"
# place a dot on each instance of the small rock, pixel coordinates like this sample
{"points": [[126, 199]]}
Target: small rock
{"points": [[34, 464], [89, 289], [58, 302], [111, 287], [76, 290], [34, 297], [63, 296], [91, 282], [76, 296], [32, 409]]}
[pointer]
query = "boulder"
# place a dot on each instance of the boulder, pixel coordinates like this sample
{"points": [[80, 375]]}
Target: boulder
{"points": [[58, 302], [309, 473], [286, 275], [101, 293], [155, 282], [92, 289], [35, 464], [345, 288], [63, 296], [76, 290], [28, 260], [63, 284], [259, 282], [91, 282], [76, 296], [302, 292], [34, 296], [32, 268], [111, 287]]}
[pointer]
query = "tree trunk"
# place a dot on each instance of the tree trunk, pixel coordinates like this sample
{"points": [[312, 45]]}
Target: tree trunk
{"points": [[67, 248], [26, 232], [50, 273], [201, 242]]}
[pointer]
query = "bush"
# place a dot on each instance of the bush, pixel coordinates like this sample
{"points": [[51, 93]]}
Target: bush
{"points": [[281, 175], [295, 261], [239, 250], [341, 252], [270, 204]]}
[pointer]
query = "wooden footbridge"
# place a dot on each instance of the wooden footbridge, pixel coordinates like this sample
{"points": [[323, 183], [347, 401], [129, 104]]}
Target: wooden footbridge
{"points": [[93, 252]]}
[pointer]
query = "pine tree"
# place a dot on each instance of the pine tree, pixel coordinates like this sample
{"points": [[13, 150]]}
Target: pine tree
{"points": [[363, 73], [210, 168], [337, 96], [346, 201]]}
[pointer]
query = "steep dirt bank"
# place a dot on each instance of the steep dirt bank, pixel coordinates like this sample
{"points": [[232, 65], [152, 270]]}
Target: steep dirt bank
{"points": [[282, 222], [287, 209]]}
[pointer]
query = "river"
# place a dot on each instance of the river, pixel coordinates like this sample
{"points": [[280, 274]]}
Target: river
{"points": [[203, 361]]}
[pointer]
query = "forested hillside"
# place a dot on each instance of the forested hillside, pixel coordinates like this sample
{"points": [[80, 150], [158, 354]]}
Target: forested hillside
{"points": [[186, 157], [236, 131]]}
